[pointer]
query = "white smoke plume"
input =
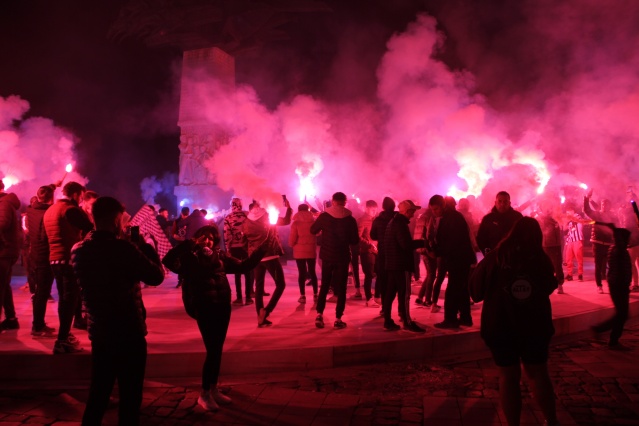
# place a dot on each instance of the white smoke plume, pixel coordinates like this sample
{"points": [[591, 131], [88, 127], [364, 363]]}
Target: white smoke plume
{"points": [[153, 186]]}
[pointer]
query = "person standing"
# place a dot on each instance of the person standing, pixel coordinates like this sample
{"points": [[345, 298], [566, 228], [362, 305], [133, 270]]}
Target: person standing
{"points": [[496, 224], [259, 231], [304, 246], [237, 246], [10, 243], [515, 282], [65, 223], [574, 248], [399, 247], [368, 250], [601, 236], [339, 232], [552, 241], [378, 229], [109, 270]]}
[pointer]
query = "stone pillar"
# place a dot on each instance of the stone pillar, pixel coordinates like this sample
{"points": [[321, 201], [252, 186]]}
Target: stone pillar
{"points": [[199, 139]]}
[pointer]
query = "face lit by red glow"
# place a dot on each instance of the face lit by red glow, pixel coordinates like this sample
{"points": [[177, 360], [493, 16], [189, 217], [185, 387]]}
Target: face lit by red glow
{"points": [[371, 211], [437, 209], [502, 203]]}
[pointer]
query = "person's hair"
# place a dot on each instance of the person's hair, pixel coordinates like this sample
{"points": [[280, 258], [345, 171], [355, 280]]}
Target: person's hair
{"points": [[371, 203], [105, 209], [45, 194], [211, 230], [90, 195], [504, 193], [185, 210], [436, 200], [72, 188], [162, 210], [388, 204], [450, 202], [204, 212], [339, 197], [522, 243], [302, 208]]}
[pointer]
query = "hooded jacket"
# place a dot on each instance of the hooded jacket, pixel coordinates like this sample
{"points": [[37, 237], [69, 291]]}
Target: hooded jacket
{"points": [[259, 231], [378, 229], [600, 234], [303, 242], [10, 230], [38, 242], [399, 245], [233, 223], [494, 227], [339, 232]]}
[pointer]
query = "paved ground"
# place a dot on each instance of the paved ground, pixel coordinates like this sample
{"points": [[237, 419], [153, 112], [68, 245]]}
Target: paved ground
{"points": [[593, 384]]}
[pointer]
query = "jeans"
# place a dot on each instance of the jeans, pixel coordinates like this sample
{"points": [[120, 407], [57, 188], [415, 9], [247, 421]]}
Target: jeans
{"points": [[241, 253], [368, 268], [274, 268], [69, 297], [335, 273], [42, 277], [600, 252]]}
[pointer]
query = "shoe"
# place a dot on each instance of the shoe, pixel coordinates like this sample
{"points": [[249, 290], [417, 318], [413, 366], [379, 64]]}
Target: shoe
{"points": [[261, 317], [80, 323], [446, 325], [332, 299], [466, 323], [339, 324], [600, 289], [266, 294], [580, 277], [207, 402], [10, 324], [378, 300], [413, 327], [419, 302], [249, 301], [568, 277], [319, 321], [65, 347], [43, 332], [435, 308], [560, 289], [302, 299], [219, 397], [428, 303], [371, 303], [238, 301], [391, 326], [357, 295], [73, 340], [265, 323]]}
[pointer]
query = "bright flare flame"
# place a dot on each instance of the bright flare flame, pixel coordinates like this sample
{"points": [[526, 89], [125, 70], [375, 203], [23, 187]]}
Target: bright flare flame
{"points": [[69, 168], [563, 199], [536, 160], [583, 186], [306, 170], [9, 181], [273, 214]]}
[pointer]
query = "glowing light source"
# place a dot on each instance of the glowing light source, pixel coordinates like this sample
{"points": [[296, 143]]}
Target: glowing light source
{"points": [[69, 168], [273, 214], [10, 181], [563, 199], [184, 201], [583, 186], [306, 170]]}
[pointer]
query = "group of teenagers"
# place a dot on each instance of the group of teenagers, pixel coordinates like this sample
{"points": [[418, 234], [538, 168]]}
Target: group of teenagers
{"points": [[514, 280]]}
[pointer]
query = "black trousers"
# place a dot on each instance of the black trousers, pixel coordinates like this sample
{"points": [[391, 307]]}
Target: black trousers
{"points": [[213, 321], [126, 362], [620, 298], [426, 290], [368, 267], [398, 284], [457, 299], [42, 277], [69, 297], [6, 295], [335, 273], [274, 268], [600, 253], [306, 269], [241, 253]]}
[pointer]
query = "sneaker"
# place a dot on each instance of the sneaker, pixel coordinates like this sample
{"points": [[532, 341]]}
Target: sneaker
{"points": [[207, 402], [446, 325], [371, 303], [219, 397], [568, 277], [265, 323], [238, 301], [43, 332], [249, 301], [302, 299], [266, 294], [261, 317], [428, 303], [332, 299], [319, 321], [466, 323], [560, 289], [580, 277], [435, 308], [10, 324], [357, 295], [413, 327], [600, 289], [80, 323], [339, 324], [419, 302], [73, 340], [65, 347], [391, 326]]}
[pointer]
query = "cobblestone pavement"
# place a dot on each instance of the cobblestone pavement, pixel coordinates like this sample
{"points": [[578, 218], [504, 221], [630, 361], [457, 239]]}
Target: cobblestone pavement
{"points": [[593, 384]]}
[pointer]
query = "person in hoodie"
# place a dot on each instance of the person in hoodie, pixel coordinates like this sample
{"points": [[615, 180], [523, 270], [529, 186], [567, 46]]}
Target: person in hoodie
{"points": [[339, 232], [10, 242], [258, 232], [378, 228], [600, 237], [496, 224], [237, 246], [304, 249], [196, 220]]}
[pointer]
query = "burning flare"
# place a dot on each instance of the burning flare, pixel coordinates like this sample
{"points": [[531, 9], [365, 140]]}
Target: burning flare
{"points": [[273, 214], [9, 181], [306, 170]]}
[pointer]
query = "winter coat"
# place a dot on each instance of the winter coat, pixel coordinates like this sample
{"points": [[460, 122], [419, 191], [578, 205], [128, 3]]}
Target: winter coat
{"points": [[514, 309], [339, 232], [194, 222], [10, 230], [233, 235], [303, 242], [494, 227], [109, 270], [399, 245], [65, 223], [260, 232], [600, 234], [38, 242], [378, 230], [364, 226], [453, 239]]}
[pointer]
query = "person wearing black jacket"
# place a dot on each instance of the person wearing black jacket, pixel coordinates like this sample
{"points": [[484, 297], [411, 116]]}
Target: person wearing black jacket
{"points": [[496, 224], [399, 263], [110, 269], [378, 230], [206, 294], [601, 236], [339, 232]]}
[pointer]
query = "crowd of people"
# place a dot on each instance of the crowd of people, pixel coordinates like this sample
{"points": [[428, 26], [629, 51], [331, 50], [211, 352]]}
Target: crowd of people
{"points": [[98, 258]]}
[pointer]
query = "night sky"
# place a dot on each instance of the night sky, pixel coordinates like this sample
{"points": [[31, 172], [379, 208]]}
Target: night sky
{"points": [[527, 63]]}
